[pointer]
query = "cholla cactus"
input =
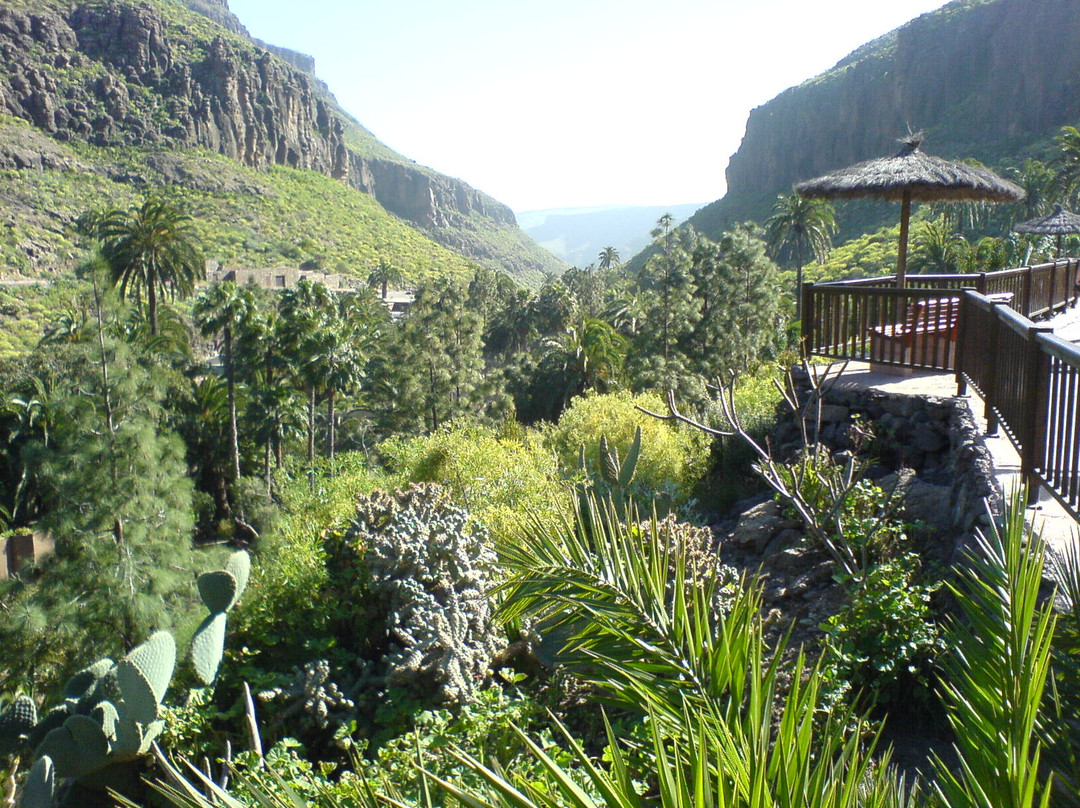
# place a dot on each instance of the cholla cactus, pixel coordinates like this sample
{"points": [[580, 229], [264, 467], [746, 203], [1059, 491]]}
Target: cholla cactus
{"points": [[317, 700], [426, 570]]}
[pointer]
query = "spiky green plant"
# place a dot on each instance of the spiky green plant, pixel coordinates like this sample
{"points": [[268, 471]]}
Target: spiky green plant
{"points": [[998, 670], [698, 666]]}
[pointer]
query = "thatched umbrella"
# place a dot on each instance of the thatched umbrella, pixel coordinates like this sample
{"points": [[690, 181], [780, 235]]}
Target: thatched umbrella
{"points": [[912, 175], [1058, 223]]}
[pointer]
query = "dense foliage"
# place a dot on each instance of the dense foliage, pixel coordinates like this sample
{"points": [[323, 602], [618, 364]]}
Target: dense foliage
{"points": [[468, 535]]}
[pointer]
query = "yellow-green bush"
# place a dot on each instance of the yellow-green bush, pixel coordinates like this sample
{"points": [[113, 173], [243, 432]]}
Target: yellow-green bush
{"points": [[673, 456], [500, 479]]}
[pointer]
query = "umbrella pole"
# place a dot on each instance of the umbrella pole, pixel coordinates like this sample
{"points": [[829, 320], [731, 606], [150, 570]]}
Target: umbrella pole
{"points": [[901, 255]]}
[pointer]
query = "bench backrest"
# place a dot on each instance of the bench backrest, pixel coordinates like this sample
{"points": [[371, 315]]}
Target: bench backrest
{"points": [[932, 315]]}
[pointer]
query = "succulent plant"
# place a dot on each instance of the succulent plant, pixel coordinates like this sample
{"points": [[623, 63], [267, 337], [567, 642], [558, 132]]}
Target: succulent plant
{"points": [[312, 696], [220, 590], [16, 722], [416, 569]]}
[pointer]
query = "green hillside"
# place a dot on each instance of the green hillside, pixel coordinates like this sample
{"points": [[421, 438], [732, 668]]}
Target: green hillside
{"points": [[106, 101], [278, 217]]}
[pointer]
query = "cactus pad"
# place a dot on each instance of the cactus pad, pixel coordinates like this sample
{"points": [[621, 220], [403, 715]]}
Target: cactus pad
{"points": [[53, 719], [40, 784], [61, 747], [149, 667], [207, 646], [91, 743], [82, 683], [153, 729], [128, 740], [239, 566], [106, 715], [218, 590]]}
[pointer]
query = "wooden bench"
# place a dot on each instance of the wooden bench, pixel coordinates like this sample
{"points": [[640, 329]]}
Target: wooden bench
{"points": [[927, 335]]}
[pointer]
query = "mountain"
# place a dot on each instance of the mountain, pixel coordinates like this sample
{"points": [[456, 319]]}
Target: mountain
{"points": [[986, 79], [577, 235], [141, 93]]}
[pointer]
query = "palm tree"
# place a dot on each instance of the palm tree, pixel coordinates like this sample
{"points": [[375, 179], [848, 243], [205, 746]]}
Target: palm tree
{"points": [[798, 223], [609, 258], [1066, 165], [223, 308], [383, 275], [305, 311], [149, 249], [938, 249]]}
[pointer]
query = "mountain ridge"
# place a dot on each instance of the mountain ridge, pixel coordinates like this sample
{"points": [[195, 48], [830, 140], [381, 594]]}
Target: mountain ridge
{"points": [[151, 75], [986, 79]]}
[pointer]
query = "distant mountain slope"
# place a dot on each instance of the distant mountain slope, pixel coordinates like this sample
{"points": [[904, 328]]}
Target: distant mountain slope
{"points": [[577, 235], [988, 79], [277, 217], [152, 75]]}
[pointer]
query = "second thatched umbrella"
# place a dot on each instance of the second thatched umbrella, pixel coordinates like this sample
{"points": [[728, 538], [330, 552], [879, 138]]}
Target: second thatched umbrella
{"points": [[1059, 223], [910, 176]]}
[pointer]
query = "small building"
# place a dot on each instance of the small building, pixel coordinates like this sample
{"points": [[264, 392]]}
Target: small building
{"points": [[278, 278], [23, 548]]}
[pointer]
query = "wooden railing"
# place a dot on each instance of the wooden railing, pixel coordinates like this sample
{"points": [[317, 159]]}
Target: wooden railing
{"points": [[980, 326], [1029, 380], [845, 320]]}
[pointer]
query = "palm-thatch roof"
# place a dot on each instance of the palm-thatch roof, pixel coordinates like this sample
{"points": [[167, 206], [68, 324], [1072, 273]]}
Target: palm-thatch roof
{"points": [[909, 176], [924, 177], [1059, 223]]}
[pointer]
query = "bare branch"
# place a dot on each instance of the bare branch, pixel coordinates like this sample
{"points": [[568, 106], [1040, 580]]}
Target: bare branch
{"points": [[675, 415]]}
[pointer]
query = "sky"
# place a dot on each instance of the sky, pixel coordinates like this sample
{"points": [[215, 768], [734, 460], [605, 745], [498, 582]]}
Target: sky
{"points": [[570, 103]]}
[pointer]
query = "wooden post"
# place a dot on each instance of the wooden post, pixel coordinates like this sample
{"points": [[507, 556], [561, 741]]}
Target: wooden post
{"points": [[901, 253], [1028, 277], [961, 340], [990, 386], [1051, 294], [1033, 435], [806, 325]]}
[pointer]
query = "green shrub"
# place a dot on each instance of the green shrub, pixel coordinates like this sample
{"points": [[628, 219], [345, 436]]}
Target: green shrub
{"points": [[672, 458], [497, 477], [884, 642]]}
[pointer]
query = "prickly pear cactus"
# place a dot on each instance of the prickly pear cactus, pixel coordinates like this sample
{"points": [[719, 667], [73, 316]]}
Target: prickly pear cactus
{"points": [[16, 722], [109, 713], [40, 785], [220, 590]]}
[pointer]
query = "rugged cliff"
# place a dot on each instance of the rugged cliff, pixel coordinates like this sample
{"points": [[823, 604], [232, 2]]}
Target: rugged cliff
{"points": [[122, 73], [984, 78]]}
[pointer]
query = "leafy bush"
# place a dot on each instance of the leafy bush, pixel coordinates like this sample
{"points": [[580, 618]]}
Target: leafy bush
{"points": [[279, 621], [671, 460], [496, 476], [884, 642], [485, 728]]}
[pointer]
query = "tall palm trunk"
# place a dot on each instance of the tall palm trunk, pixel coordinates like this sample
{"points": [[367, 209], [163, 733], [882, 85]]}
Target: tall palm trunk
{"points": [[230, 379], [330, 417], [267, 451], [151, 303], [311, 436]]}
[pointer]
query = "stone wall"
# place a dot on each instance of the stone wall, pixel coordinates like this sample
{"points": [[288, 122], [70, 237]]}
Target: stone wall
{"points": [[931, 446]]}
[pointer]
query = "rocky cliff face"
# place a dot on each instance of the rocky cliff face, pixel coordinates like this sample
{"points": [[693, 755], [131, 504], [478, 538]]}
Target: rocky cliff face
{"points": [[983, 78], [111, 74]]}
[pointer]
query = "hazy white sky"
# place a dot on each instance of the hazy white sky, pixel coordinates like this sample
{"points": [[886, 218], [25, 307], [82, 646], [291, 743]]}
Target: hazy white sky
{"points": [[570, 103]]}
